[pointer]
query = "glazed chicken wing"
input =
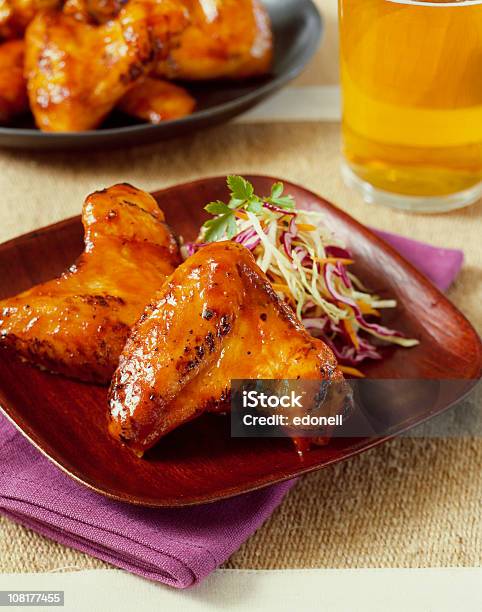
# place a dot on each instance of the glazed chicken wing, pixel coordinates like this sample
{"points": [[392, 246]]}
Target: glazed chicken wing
{"points": [[13, 90], [81, 61], [156, 101], [15, 15], [217, 318], [77, 324], [224, 39], [77, 71], [93, 11]]}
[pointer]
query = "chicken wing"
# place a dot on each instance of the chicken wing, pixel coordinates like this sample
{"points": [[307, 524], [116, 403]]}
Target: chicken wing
{"points": [[156, 101], [77, 71], [93, 11], [217, 318], [77, 324], [15, 15], [13, 89], [224, 39]]}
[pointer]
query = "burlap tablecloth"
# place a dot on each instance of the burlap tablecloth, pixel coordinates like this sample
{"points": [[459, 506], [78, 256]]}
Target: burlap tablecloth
{"points": [[409, 503]]}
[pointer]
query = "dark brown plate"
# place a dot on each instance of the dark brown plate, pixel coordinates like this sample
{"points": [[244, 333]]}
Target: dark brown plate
{"points": [[200, 462]]}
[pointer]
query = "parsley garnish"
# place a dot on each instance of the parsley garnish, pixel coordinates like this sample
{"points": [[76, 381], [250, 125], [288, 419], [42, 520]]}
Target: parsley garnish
{"points": [[223, 226]]}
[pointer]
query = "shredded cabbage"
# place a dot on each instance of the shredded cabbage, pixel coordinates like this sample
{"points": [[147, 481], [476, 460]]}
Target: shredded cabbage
{"points": [[308, 267]]}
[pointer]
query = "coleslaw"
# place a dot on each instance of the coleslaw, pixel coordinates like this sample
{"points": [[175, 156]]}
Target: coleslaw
{"points": [[308, 267]]}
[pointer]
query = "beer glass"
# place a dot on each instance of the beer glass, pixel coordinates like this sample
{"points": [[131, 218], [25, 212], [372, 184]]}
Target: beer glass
{"points": [[411, 76]]}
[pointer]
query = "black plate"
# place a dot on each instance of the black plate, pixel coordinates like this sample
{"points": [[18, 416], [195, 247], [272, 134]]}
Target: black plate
{"points": [[297, 27]]}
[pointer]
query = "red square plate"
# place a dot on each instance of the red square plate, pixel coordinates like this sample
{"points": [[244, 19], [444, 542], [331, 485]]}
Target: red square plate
{"points": [[200, 462]]}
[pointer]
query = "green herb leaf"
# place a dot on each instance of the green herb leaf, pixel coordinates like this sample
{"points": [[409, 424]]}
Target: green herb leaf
{"points": [[217, 208], [221, 227], [277, 190], [241, 189], [232, 228], [255, 206], [224, 225], [284, 202]]}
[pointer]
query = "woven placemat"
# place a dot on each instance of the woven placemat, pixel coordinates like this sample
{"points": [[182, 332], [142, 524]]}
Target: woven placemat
{"points": [[409, 503]]}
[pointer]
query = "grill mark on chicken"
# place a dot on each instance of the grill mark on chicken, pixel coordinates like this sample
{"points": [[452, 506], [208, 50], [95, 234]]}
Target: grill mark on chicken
{"points": [[214, 306], [66, 326]]}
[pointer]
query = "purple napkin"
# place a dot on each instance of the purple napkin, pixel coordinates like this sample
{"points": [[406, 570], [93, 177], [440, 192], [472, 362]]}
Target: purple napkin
{"points": [[179, 547], [441, 266]]}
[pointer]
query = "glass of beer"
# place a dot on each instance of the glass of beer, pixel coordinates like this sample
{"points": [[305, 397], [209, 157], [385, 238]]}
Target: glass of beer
{"points": [[412, 101]]}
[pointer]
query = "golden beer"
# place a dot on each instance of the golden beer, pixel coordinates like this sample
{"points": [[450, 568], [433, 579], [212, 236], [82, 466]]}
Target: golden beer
{"points": [[412, 95]]}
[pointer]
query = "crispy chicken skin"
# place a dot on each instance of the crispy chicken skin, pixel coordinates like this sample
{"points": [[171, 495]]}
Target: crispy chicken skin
{"points": [[224, 39], [15, 15], [217, 318], [77, 72], [77, 324], [93, 11], [156, 101], [13, 90]]}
